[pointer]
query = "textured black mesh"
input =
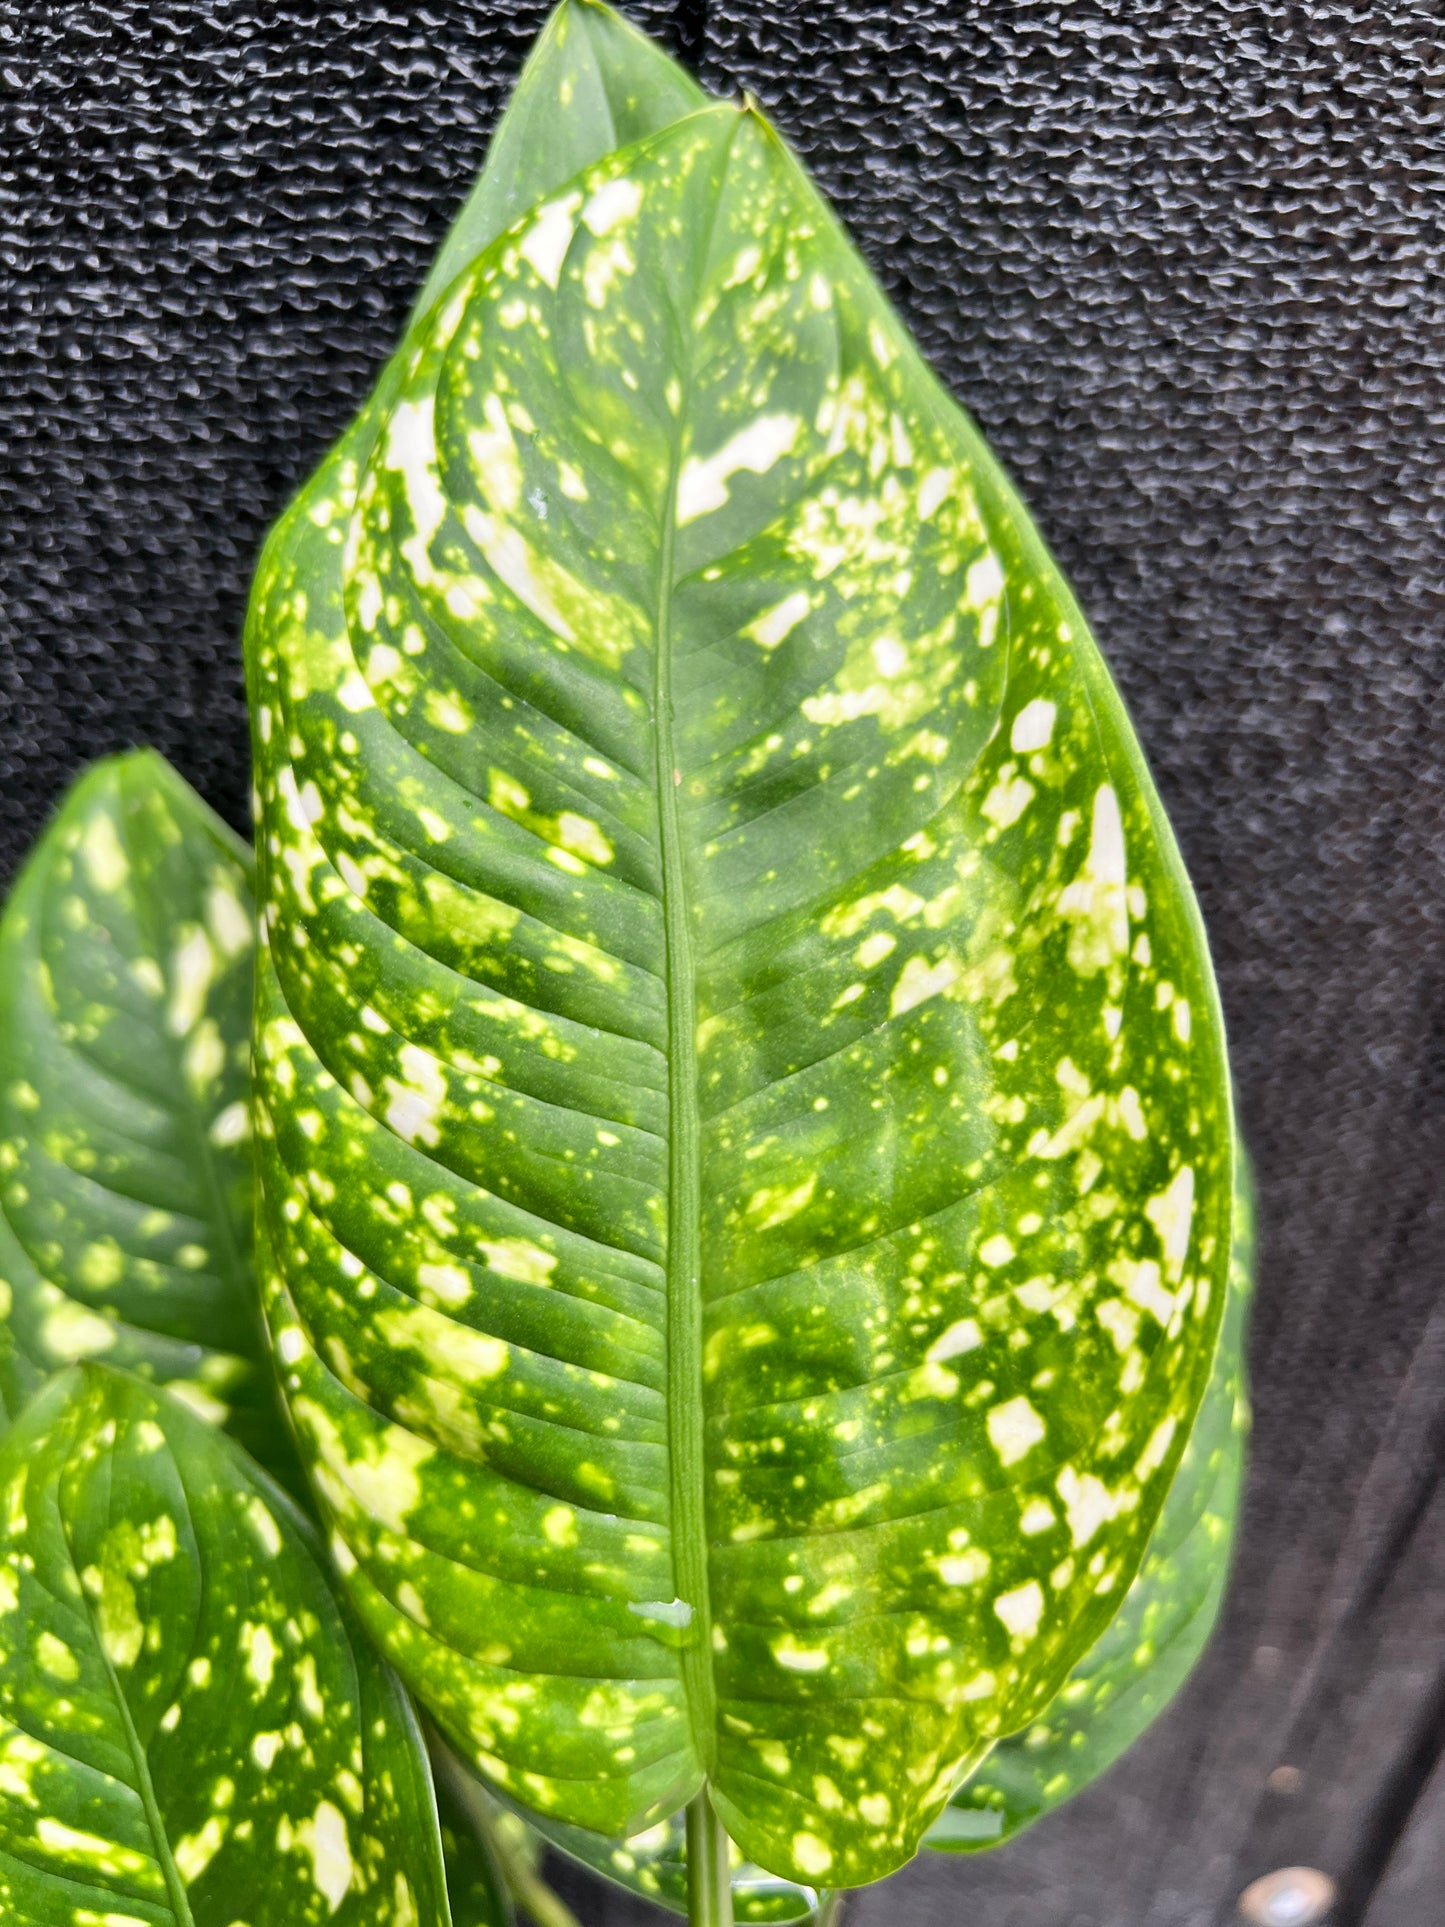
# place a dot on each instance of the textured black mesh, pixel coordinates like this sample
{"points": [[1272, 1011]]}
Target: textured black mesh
{"points": [[1183, 261]]}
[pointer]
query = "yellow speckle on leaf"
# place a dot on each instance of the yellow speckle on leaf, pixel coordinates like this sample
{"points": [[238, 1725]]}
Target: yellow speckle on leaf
{"points": [[799, 1659], [775, 1204], [811, 1854], [702, 485], [559, 1526]]}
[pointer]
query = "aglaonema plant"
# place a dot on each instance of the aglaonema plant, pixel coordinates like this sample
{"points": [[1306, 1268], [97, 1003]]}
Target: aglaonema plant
{"points": [[743, 1128], [750, 1224]]}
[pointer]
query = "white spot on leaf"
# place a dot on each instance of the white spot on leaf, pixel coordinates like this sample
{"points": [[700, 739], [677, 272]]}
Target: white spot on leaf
{"points": [[610, 206], [1014, 1429], [1172, 1216], [544, 246], [963, 1335], [775, 625], [1032, 727], [799, 1659], [702, 485], [1088, 1504], [1022, 1609], [918, 981]]}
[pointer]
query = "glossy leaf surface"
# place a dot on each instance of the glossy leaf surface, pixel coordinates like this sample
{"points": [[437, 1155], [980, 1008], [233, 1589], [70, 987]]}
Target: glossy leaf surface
{"points": [[1112, 1696], [743, 1123], [1127, 1679], [190, 1733], [126, 964]]}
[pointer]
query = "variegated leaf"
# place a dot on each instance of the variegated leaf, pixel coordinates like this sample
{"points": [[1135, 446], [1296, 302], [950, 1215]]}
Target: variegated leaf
{"points": [[1112, 1696], [744, 1131], [126, 963], [1120, 1687], [191, 1734]]}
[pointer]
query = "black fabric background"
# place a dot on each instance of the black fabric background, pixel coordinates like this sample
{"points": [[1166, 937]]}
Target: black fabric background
{"points": [[1183, 262]]}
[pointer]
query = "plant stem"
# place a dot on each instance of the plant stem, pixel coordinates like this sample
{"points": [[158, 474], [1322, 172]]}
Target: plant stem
{"points": [[831, 1911], [709, 1874]]}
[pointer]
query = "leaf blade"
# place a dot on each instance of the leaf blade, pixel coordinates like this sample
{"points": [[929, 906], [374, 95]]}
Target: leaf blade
{"points": [[476, 1891], [591, 83], [190, 1730], [498, 804], [126, 955]]}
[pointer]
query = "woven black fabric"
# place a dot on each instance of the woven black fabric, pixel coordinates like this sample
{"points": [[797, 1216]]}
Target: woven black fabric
{"points": [[1183, 261]]}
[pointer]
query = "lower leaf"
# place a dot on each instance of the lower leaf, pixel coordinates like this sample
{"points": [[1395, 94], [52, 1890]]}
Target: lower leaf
{"points": [[191, 1732], [474, 1886]]}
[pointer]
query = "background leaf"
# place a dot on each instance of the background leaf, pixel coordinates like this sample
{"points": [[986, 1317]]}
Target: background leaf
{"points": [[745, 1138], [191, 1735], [478, 1897], [592, 83], [126, 962], [1124, 1682]]}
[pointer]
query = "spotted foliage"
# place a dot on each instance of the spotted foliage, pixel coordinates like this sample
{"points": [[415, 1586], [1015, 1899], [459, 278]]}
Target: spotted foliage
{"points": [[1126, 1680], [126, 963], [1113, 1695], [191, 1734], [742, 1117]]}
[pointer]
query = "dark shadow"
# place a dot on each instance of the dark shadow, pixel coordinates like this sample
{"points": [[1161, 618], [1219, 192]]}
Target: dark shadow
{"points": [[689, 31]]}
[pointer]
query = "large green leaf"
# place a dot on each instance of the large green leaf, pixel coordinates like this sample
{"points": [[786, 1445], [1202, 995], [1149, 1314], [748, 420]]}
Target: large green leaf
{"points": [[190, 1733], [743, 1122], [126, 964], [1126, 1680]]}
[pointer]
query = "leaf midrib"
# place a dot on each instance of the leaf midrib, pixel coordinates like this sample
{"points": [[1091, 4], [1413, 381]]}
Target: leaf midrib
{"points": [[684, 1187], [145, 1786]]}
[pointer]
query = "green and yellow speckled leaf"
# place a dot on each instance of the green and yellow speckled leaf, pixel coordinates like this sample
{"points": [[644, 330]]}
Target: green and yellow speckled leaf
{"points": [[126, 965], [1112, 1696], [1126, 1680], [19, 1376], [743, 1124], [190, 1733]]}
